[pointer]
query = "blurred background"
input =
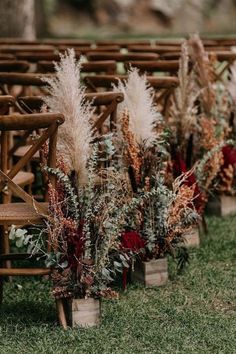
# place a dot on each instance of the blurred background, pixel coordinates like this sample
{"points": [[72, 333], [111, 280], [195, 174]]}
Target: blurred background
{"points": [[116, 18]]}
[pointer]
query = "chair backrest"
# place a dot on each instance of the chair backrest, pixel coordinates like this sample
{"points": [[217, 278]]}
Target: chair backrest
{"points": [[169, 66], [31, 84], [106, 103], [15, 48], [19, 66], [95, 82], [120, 57], [35, 57], [158, 49], [106, 66], [86, 49], [46, 125], [121, 42], [164, 87]]}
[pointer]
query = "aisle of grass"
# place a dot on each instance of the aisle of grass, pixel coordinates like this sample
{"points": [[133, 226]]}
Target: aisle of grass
{"points": [[194, 313]]}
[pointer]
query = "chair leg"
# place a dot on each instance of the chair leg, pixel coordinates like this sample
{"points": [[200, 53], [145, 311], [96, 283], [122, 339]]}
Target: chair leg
{"points": [[5, 247], [61, 313]]}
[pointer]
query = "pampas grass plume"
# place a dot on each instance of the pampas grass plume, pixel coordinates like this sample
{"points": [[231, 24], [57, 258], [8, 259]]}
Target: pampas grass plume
{"points": [[67, 96], [138, 101]]}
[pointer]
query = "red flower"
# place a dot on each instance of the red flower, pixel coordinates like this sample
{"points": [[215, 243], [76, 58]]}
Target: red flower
{"points": [[229, 153], [132, 241]]}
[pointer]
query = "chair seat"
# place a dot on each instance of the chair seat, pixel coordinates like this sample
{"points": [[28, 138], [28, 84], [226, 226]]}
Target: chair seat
{"points": [[20, 214], [23, 178], [22, 150]]}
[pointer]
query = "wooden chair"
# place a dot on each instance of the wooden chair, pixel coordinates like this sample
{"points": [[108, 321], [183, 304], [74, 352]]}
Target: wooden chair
{"points": [[120, 57], [163, 85], [29, 211], [150, 67], [85, 50], [105, 102], [225, 59], [121, 42], [19, 66], [106, 66], [169, 42], [35, 57], [31, 83], [158, 49], [67, 42], [21, 48], [23, 178]]}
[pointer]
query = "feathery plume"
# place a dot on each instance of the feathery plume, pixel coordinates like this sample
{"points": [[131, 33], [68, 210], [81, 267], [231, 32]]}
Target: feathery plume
{"points": [[138, 101], [66, 95], [184, 110], [205, 72]]}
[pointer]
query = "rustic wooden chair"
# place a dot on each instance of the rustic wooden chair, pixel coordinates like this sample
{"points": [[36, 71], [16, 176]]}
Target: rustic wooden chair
{"points": [[106, 66], [23, 178], [163, 85], [169, 42], [85, 50], [105, 102], [31, 83], [14, 48], [158, 49], [225, 59], [29, 211], [150, 67], [19, 66], [120, 57], [121, 42], [35, 57], [67, 42]]}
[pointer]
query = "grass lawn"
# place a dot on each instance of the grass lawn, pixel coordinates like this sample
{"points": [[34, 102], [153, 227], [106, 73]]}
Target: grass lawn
{"points": [[194, 313]]}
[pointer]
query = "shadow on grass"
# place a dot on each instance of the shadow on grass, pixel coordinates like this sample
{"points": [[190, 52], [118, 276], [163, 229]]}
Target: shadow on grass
{"points": [[28, 313]]}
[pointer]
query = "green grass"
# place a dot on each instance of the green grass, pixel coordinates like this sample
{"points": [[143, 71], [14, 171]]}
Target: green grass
{"points": [[193, 313]]}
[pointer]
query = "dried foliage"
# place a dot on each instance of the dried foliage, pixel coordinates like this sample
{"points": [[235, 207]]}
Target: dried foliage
{"points": [[131, 150], [167, 215]]}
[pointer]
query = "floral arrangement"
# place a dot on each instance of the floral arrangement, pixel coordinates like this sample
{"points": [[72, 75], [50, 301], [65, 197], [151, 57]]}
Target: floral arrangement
{"points": [[200, 124], [166, 210]]}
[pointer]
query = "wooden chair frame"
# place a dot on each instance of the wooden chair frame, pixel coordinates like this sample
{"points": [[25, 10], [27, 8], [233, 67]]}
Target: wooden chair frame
{"points": [[120, 57], [109, 100], [169, 66], [106, 66], [30, 211], [163, 85], [14, 66]]}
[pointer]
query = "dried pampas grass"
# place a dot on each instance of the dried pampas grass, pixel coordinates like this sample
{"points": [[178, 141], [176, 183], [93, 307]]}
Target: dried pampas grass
{"points": [[204, 71], [184, 110], [66, 95], [138, 101]]}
